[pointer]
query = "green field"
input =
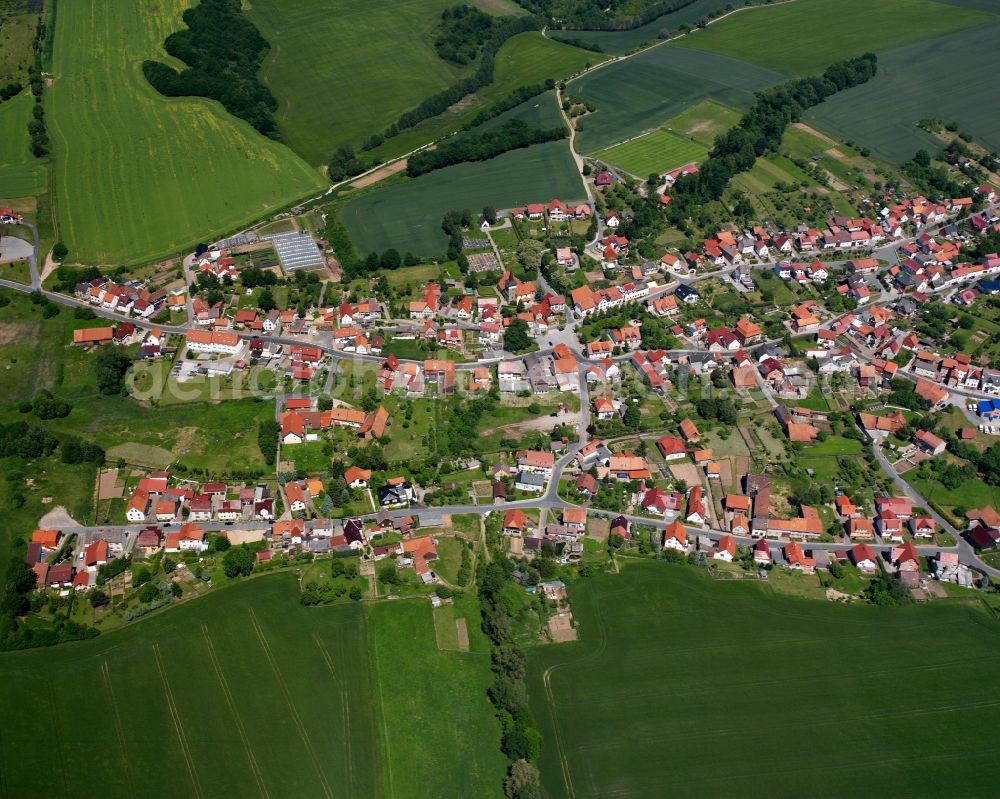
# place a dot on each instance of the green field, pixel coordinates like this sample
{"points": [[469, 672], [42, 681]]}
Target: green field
{"points": [[806, 36], [220, 697], [408, 216], [704, 121], [138, 175], [343, 70], [956, 80], [684, 682], [658, 151], [438, 734], [539, 112], [650, 88], [21, 174], [211, 699], [525, 59]]}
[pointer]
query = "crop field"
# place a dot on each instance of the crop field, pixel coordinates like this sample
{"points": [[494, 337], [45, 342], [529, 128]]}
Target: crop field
{"points": [[644, 91], [21, 174], [220, 696], [140, 176], [525, 59], [956, 84], [343, 70], [212, 699], [657, 151], [806, 36], [539, 112], [532, 58], [723, 677], [620, 41], [704, 121], [408, 216]]}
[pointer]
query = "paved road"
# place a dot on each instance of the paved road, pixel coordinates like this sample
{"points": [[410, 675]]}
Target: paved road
{"points": [[965, 550]]}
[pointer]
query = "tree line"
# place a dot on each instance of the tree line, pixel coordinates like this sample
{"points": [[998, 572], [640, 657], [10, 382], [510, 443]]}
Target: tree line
{"points": [[36, 125], [604, 15], [760, 131], [521, 741], [223, 51], [511, 135], [483, 76]]}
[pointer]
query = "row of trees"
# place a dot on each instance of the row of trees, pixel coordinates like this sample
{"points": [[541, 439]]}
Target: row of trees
{"points": [[609, 15], [511, 135], [760, 131], [36, 125], [521, 742], [483, 76], [223, 51]]}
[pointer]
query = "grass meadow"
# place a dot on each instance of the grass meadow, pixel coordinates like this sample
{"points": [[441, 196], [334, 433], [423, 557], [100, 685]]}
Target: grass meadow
{"points": [[246, 692], [806, 36], [35, 354], [650, 88], [343, 70], [408, 215], [657, 151], [704, 121], [956, 84], [21, 174], [680, 681], [140, 176], [437, 732]]}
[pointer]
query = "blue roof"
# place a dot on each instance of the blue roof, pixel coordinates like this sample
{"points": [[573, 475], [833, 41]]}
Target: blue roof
{"points": [[984, 406]]}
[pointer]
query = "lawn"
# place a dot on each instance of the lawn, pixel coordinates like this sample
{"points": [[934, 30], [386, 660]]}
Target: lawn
{"points": [[644, 91], [437, 732], [806, 36], [343, 70], [971, 494], [657, 151], [21, 174], [449, 560], [18, 271], [17, 31], [834, 445], [408, 216], [140, 176], [799, 677], [882, 114]]}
